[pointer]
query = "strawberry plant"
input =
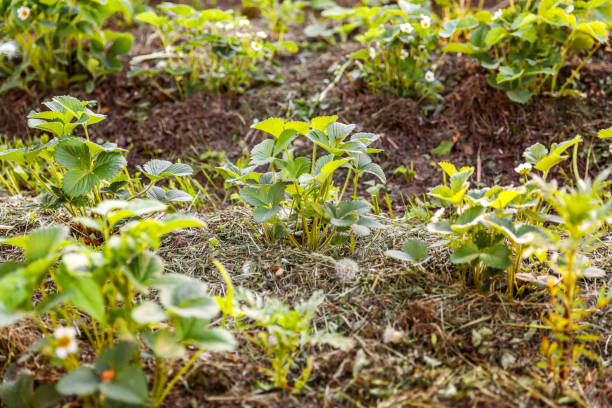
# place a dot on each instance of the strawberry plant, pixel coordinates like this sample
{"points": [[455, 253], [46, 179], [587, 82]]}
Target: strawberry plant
{"points": [[398, 56], [286, 332], [279, 14], [80, 173], [210, 49], [111, 287], [57, 43], [493, 229], [525, 45], [582, 213], [297, 198]]}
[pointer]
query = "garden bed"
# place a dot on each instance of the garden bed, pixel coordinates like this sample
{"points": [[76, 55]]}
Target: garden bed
{"points": [[458, 348]]}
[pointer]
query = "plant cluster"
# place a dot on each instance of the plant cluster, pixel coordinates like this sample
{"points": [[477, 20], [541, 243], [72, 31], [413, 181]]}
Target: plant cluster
{"points": [[79, 173], [99, 300], [57, 43], [583, 212], [210, 49], [297, 198], [525, 45], [279, 14], [399, 49], [108, 295], [492, 230], [286, 332]]}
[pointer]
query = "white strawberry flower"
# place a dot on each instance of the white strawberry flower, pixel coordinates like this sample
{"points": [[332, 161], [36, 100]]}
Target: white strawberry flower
{"points": [[429, 76], [425, 21], [256, 46], [403, 54], [65, 338], [372, 53], [406, 28], [436, 217], [523, 168], [244, 23], [23, 13], [9, 49], [262, 35], [569, 9], [497, 15]]}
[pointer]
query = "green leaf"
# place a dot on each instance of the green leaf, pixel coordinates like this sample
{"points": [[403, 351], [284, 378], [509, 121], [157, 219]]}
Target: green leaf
{"points": [[263, 153], [129, 386], [596, 29], [291, 170], [189, 299], [148, 312], [121, 45], [376, 170], [413, 250], [523, 96], [73, 154], [338, 131], [495, 35], [286, 137], [167, 345], [42, 243], [469, 218], [443, 148], [534, 153], [605, 134], [108, 164], [497, 256], [17, 391], [118, 357], [253, 196], [508, 73], [504, 198], [179, 221], [289, 46], [86, 295], [196, 331], [263, 214], [322, 122], [156, 169], [460, 47], [523, 20], [8, 318], [328, 169], [80, 381], [158, 193], [71, 104], [150, 17], [465, 253], [273, 126], [79, 182], [524, 234]]}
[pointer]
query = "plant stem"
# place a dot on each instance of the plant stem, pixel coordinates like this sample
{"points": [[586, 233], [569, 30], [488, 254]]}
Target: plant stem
{"points": [[178, 375]]}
